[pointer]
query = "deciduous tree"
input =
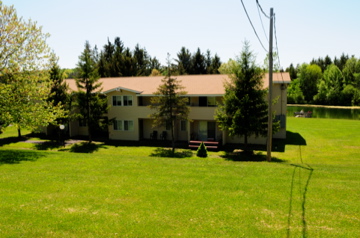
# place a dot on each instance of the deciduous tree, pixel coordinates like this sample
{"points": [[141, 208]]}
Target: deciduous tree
{"points": [[309, 77], [24, 73]]}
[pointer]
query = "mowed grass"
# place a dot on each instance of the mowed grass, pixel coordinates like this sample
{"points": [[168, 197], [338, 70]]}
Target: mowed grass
{"points": [[119, 191]]}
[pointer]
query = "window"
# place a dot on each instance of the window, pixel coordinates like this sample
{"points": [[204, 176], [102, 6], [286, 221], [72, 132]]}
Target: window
{"points": [[183, 125], [211, 102], [118, 125], [128, 125], [202, 102], [122, 100], [117, 100], [127, 100], [123, 125]]}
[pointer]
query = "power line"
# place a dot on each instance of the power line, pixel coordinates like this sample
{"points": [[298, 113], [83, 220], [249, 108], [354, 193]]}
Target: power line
{"points": [[262, 24], [252, 25], [259, 6], [277, 48]]}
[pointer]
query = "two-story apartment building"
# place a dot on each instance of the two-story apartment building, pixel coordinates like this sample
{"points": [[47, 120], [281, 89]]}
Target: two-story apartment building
{"points": [[129, 98]]}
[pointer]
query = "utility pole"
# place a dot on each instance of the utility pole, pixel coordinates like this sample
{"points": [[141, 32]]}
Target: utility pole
{"points": [[269, 135]]}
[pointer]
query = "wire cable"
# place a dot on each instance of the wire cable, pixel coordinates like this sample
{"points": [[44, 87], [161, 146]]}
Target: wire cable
{"points": [[257, 2], [262, 24], [253, 26], [277, 48]]}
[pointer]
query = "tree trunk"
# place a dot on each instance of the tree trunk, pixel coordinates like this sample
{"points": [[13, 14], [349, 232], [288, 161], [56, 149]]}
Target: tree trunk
{"points": [[173, 138], [88, 98], [245, 142], [19, 132]]}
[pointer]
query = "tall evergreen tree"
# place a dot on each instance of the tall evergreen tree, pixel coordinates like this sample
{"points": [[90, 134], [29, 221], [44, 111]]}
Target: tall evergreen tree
{"points": [[141, 60], [215, 65], [59, 90], [198, 63], [129, 63], [91, 104], [155, 63], [118, 58], [169, 104], [292, 71], [244, 111], [184, 61], [340, 63], [208, 61]]}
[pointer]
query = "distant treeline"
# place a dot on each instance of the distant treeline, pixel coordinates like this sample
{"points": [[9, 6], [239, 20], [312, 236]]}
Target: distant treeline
{"points": [[326, 82], [116, 60]]}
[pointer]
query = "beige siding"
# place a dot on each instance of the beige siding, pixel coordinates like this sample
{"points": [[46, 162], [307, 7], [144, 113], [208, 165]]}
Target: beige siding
{"points": [[202, 113], [279, 92], [129, 113]]}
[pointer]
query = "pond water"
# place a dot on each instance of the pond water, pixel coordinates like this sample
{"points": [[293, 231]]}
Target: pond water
{"points": [[324, 112]]}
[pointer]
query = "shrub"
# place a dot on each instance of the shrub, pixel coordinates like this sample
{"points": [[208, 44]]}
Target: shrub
{"points": [[202, 151]]}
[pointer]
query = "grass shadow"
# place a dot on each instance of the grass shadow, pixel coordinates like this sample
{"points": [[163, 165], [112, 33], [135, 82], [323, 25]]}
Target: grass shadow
{"points": [[10, 140], [248, 156], [85, 147], [163, 152], [294, 138], [48, 145], [303, 195], [16, 156]]}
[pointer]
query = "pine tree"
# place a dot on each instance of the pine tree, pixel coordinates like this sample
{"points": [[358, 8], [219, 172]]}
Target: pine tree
{"points": [[58, 93], [198, 63], [91, 104], [202, 151], [184, 61], [169, 104], [244, 110]]}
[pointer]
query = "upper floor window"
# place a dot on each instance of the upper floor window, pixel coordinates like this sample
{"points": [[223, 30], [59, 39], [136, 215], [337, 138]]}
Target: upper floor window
{"points": [[117, 100], [207, 102], [122, 100], [128, 100], [211, 102]]}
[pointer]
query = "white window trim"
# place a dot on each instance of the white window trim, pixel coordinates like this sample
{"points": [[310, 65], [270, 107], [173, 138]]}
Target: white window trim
{"points": [[122, 123], [122, 101]]}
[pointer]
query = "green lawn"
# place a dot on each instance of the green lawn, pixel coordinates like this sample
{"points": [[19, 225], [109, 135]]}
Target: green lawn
{"points": [[312, 190]]}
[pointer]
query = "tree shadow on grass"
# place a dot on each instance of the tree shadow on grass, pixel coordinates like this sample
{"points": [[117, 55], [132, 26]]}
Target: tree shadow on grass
{"points": [[48, 145], [85, 147], [16, 156], [248, 156], [10, 140], [163, 152]]}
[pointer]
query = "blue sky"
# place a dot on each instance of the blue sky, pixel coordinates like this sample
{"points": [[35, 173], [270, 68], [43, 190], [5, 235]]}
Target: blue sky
{"points": [[306, 29]]}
